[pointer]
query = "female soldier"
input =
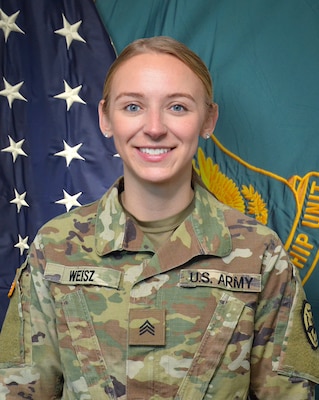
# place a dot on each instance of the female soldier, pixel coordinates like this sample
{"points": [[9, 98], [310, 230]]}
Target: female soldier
{"points": [[157, 290]]}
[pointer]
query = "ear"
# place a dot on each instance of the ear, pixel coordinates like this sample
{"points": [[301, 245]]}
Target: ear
{"points": [[104, 121], [211, 120]]}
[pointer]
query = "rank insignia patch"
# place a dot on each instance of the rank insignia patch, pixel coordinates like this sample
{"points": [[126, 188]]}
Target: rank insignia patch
{"points": [[147, 327], [308, 324]]}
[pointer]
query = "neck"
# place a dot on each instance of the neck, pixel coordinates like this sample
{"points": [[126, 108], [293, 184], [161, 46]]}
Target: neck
{"points": [[152, 202]]}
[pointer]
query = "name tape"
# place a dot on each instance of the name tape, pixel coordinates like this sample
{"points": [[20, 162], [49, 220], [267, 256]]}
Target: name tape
{"points": [[238, 282], [82, 275]]}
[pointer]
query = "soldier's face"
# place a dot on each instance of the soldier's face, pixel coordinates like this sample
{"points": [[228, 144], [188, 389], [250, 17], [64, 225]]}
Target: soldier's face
{"points": [[156, 113]]}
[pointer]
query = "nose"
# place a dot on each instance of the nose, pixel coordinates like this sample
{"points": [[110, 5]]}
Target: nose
{"points": [[154, 125]]}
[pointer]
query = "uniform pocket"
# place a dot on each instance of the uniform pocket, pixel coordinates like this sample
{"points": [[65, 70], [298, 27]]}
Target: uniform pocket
{"points": [[86, 348], [212, 348]]}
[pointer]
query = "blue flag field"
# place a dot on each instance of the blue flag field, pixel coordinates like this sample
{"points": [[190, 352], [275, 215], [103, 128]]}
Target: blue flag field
{"points": [[54, 57]]}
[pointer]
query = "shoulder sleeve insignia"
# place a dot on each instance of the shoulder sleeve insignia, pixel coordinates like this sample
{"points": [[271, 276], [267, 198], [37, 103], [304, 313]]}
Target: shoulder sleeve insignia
{"points": [[308, 324]]}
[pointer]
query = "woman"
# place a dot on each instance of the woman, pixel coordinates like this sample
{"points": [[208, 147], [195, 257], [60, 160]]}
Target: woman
{"points": [[157, 290]]}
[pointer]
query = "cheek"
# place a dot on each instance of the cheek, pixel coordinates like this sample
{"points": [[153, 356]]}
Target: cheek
{"points": [[190, 131], [119, 140], [124, 127]]}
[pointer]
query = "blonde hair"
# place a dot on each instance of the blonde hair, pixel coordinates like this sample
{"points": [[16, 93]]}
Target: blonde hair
{"points": [[163, 45]]}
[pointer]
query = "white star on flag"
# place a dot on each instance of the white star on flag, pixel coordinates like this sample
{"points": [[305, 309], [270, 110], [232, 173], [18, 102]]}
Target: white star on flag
{"points": [[22, 244], [15, 149], [70, 153], [70, 31], [12, 92], [69, 201], [70, 95], [19, 200], [8, 25]]}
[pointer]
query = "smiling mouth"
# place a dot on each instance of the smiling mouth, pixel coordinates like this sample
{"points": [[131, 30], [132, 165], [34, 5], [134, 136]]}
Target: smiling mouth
{"points": [[153, 152]]}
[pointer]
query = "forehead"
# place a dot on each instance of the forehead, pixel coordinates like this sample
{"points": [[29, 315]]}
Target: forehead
{"points": [[155, 68]]}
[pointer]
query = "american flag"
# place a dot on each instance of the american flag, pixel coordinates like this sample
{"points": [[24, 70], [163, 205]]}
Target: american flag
{"points": [[53, 59]]}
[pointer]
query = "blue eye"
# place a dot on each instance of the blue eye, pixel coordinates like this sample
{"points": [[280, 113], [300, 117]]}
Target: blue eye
{"points": [[178, 108], [133, 108]]}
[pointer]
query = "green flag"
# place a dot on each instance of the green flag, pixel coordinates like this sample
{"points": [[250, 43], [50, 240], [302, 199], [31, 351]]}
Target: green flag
{"points": [[264, 59], [290, 207]]}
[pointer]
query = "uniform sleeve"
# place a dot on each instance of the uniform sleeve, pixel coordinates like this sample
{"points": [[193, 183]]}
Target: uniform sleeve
{"points": [[29, 360], [285, 357]]}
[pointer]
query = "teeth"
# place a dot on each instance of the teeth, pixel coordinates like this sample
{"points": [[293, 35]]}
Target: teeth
{"points": [[153, 151]]}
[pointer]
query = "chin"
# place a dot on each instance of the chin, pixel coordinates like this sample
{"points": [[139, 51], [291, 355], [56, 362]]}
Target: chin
{"points": [[161, 180]]}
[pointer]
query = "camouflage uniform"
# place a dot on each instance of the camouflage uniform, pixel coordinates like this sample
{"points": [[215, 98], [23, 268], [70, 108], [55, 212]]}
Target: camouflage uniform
{"points": [[217, 312]]}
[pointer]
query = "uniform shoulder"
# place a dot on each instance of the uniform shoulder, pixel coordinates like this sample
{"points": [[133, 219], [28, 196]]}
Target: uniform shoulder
{"points": [[86, 212], [235, 218]]}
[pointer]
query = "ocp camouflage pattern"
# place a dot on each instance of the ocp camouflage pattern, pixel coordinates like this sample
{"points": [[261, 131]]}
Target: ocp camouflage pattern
{"points": [[218, 312]]}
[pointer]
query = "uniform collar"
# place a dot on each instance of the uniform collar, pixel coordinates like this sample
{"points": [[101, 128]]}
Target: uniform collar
{"points": [[116, 232]]}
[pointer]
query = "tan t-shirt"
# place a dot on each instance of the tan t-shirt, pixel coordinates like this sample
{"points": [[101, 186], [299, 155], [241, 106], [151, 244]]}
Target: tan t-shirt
{"points": [[159, 231]]}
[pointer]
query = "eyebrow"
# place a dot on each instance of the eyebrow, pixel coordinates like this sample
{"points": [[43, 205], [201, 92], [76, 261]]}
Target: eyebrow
{"points": [[128, 94], [141, 96], [181, 94]]}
